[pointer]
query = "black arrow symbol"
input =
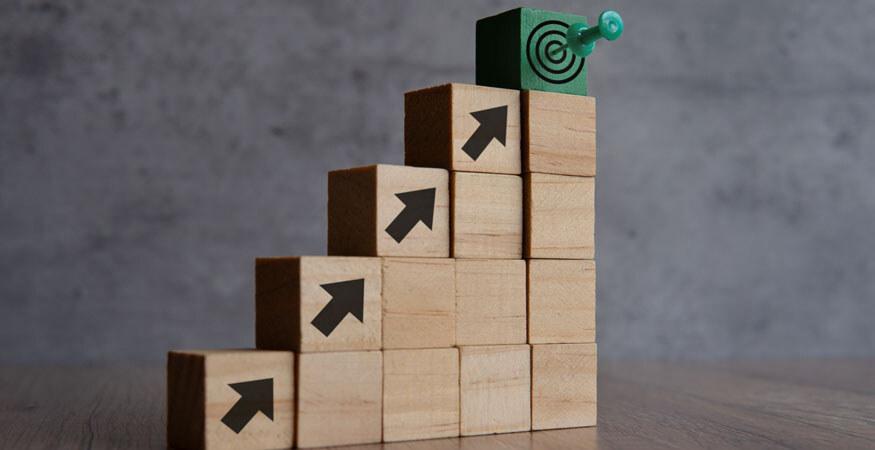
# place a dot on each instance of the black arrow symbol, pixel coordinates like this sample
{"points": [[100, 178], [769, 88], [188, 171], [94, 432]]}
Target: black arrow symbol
{"points": [[493, 125], [418, 207], [347, 297], [255, 396]]}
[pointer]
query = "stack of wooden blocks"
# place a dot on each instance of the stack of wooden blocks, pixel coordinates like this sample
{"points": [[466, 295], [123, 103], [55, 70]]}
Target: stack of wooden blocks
{"points": [[458, 297]]}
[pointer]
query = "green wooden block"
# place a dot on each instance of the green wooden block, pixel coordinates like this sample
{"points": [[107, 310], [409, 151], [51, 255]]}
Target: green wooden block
{"points": [[519, 49]]}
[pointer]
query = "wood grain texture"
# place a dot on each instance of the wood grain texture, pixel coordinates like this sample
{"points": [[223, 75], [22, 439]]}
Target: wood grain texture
{"points": [[340, 398], [419, 303], [564, 389], [560, 216], [495, 389], [438, 123], [559, 133], [490, 301], [199, 395], [420, 394], [362, 202], [352, 212], [487, 215], [289, 295], [660, 405], [186, 400], [562, 301]]}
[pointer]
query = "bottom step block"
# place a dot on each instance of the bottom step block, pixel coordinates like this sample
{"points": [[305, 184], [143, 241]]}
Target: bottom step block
{"points": [[230, 399], [340, 398], [564, 385], [495, 383], [420, 394]]}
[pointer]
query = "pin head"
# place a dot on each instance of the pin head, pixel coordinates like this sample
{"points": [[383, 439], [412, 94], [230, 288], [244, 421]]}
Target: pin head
{"points": [[610, 25]]}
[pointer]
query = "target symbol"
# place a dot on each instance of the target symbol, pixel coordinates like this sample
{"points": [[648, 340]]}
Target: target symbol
{"points": [[549, 64]]}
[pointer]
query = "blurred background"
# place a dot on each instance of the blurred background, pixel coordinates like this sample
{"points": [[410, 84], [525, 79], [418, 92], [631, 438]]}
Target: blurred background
{"points": [[149, 151]]}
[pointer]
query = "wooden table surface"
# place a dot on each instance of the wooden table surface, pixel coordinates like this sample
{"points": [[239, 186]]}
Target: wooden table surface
{"points": [[813, 404]]}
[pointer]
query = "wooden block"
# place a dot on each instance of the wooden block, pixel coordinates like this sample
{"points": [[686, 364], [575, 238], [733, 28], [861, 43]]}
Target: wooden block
{"points": [[559, 133], [495, 389], [318, 303], [515, 51], [463, 127], [490, 301], [561, 301], [420, 394], [230, 399], [419, 303], [386, 210], [564, 385], [340, 398], [560, 216], [487, 218]]}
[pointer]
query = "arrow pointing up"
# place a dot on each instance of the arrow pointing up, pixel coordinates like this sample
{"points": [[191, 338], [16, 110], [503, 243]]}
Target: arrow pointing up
{"points": [[493, 125], [347, 297], [255, 396], [418, 207]]}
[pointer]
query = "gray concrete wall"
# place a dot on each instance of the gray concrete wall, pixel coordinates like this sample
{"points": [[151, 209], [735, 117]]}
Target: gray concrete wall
{"points": [[150, 150]]}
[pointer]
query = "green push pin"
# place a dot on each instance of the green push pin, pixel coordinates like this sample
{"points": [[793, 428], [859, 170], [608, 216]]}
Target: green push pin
{"points": [[580, 39]]}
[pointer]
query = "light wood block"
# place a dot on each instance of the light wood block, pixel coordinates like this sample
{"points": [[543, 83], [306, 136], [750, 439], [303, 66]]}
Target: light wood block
{"points": [[207, 408], [419, 303], [340, 398], [559, 133], [564, 390], [561, 301], [463, 127], [318, 303], [487, 216], [420, 394], [386, 210], [495, 389], [490, 301], [560, 216]]}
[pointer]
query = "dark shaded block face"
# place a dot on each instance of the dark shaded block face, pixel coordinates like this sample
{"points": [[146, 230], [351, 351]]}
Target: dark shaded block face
{"points": [[522, 49]]}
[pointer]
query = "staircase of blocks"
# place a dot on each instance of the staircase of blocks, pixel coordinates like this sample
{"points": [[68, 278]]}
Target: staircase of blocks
{"points": [[457, 296]]}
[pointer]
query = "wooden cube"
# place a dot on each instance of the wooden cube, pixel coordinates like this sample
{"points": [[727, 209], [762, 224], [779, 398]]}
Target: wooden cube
{"points": [[490, 301], [560, 216], [561, 301], [419, 303], [318, 303], [463, 127], [386, 210], [564, 385], [420, 394], [230, 399], [495, 389], [559, 133], [524, 49], [340, 398], [487, 216]]}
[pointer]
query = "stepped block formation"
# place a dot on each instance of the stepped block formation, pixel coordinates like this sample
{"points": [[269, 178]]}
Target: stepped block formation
{"points": [[458, 295]]}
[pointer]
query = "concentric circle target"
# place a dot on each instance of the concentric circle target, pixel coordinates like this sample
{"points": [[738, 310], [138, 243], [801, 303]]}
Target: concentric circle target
{"points": [[548, 64]]}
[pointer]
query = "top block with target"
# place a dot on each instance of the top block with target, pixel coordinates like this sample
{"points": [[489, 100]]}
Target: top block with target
{"points": [[387, 210], [532, 49]]}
